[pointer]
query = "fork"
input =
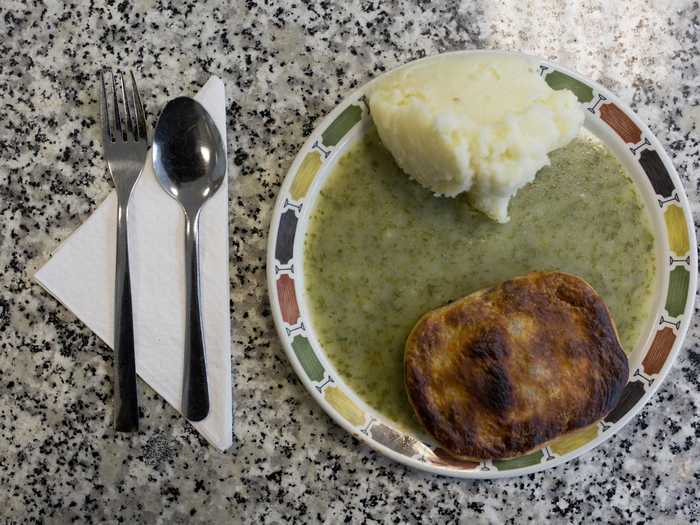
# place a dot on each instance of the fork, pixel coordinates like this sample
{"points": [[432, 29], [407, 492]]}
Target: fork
{"points": [[125, 141]]}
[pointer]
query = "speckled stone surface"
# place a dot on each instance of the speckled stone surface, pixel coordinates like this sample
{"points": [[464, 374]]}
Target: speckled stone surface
{"points": [[285, 65]]}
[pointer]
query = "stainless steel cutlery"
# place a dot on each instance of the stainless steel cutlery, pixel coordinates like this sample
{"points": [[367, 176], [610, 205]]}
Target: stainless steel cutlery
{"points": [[189, 161], [125, 141]]}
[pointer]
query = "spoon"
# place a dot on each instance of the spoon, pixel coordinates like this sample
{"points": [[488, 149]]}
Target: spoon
{"points": [[189, 161]]}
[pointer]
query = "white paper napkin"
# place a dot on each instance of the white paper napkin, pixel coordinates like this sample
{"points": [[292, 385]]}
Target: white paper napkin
{"points": [[81, 276]]}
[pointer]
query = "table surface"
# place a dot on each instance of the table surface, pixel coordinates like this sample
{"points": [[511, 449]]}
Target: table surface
{"points": [[285, 66]]}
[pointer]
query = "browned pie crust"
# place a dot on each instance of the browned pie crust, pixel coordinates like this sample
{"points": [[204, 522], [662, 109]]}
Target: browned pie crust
{"points": [[505, 369]]}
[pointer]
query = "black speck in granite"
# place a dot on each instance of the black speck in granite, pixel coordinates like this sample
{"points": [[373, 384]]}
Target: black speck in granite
{"points": [[285, 66]]}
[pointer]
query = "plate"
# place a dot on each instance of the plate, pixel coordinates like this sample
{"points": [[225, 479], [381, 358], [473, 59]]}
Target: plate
{"points": [[672, 307]]}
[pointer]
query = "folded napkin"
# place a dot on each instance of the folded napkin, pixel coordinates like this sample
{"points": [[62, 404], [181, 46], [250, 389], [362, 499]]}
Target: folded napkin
{"points": [[81, 276]]}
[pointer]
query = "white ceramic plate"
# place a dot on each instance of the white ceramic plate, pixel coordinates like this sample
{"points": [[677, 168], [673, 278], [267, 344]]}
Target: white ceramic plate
{"points": [[651, 170]]}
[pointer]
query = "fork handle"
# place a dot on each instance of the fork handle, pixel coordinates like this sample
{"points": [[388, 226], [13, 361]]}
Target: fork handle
{"points": [[195, 389], [126, 409]]}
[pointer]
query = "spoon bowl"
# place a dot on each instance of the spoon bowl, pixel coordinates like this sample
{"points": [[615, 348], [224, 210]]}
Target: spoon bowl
{"points": [[189, 159]]}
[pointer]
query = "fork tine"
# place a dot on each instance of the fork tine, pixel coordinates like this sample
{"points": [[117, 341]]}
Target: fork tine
{"points": [[118, 128], [104, 112], [130, 128], [140, 117]]}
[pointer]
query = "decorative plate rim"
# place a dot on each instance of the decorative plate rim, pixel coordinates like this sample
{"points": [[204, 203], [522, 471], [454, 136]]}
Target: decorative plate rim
{"points": [[650, 142]]}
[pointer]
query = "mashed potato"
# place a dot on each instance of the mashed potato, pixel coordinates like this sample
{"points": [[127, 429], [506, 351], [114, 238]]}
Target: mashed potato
{"points": [[481, 124]]}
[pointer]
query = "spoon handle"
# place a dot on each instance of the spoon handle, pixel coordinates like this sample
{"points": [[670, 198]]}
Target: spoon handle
{"points": [[195, 392]]}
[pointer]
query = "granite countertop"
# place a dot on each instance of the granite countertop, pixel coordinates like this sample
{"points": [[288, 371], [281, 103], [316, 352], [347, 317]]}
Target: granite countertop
{"points": [[286, 65]]}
